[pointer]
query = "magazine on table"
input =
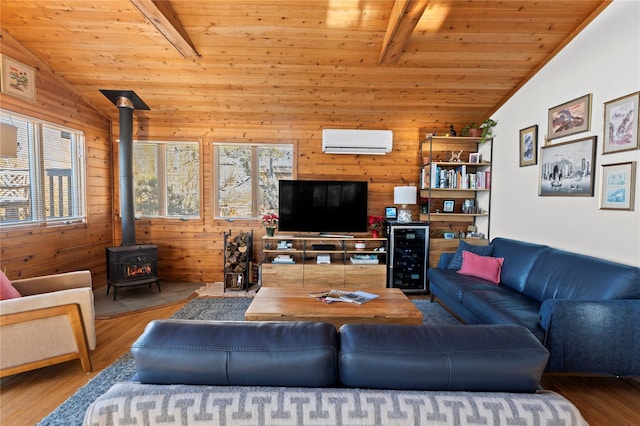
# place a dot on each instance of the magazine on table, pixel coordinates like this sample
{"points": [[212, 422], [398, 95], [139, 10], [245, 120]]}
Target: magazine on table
{"points": [[330, 296]]}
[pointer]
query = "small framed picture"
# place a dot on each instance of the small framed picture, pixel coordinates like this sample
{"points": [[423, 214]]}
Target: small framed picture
{"points": [[474, 157], [529, 146], [621, 126], [18, 79], [390, 213], [448, 206], [570, 117], [618, 186]]}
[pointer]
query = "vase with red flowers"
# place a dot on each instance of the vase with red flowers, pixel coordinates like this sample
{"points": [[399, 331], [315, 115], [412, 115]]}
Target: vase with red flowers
{"points": [[270, 222], [376, 224]]}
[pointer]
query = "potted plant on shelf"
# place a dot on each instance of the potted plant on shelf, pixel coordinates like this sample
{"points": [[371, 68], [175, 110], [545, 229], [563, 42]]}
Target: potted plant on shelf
{"points": [[270, 221], [483, 130], [376, 223]]}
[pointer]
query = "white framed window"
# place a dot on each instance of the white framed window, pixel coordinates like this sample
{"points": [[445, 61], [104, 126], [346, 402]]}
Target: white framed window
{"points": [[45, 182], [246, 177], [166, 178]]}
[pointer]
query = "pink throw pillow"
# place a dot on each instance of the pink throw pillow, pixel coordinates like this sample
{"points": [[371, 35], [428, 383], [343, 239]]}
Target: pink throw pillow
{"points": [[485, 267], [7, 291]]}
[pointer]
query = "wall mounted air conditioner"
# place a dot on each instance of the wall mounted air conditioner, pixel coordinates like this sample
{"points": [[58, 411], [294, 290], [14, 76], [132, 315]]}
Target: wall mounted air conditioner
{"points": [[348, 141]]}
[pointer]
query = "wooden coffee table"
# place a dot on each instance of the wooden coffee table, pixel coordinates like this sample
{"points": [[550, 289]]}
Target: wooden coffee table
{"points": [[295, 304]]}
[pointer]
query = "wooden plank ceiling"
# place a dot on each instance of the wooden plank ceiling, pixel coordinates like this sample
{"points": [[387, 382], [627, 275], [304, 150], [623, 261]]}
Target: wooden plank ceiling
{"points": [[282, 61]]}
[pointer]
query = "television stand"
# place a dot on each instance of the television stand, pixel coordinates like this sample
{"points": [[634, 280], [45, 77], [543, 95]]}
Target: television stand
{"points": [[344, 268]]}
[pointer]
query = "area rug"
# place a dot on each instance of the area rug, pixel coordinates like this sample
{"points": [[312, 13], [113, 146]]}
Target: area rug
{"points": [[71, 412]]}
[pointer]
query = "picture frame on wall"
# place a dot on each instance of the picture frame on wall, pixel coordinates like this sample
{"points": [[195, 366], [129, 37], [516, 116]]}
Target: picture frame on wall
{"points": [[570, 118], [567, 169], [448, 206], [621, 125], [18, 79], [618, 186], [529, 146]]}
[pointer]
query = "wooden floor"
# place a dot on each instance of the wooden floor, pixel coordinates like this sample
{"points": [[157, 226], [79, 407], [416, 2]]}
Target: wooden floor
{"points": [[28, 397]]}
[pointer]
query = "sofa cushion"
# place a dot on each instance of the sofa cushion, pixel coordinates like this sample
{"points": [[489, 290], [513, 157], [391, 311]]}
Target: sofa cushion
{"points": [[502, 305], [559, 274], [469, 358], [454, 284], [485, 267], [7, 290], [519, 258], [237, 353], [456, 260]]}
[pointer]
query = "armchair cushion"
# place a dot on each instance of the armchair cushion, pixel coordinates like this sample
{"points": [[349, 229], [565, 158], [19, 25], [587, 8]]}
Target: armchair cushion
{"points": [[53, 320], [7, 290]]}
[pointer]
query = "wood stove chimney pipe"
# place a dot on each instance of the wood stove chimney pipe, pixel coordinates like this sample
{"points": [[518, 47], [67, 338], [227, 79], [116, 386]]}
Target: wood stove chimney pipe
{"points": [[126, 101]]}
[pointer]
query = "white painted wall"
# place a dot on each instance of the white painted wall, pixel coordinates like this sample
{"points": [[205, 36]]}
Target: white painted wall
{"points": [[604, 59]]}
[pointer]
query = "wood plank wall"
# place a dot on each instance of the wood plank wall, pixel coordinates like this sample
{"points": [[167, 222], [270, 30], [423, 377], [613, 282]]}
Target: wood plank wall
{"points": [[192, 250], [188, 251], [34, 251]]}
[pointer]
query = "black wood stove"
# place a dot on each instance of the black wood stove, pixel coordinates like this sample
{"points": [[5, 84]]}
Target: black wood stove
{"points": [[130, 264]]}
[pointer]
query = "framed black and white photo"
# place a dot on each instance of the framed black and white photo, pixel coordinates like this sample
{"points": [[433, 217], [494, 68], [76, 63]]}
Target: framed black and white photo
{"points": [[618, 186], [448, 206], [529, 146], [474, 157], [570, 117], [566, 169], [621, 126]]}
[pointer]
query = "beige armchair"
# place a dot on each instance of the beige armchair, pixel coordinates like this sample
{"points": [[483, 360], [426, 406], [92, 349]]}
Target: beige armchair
{"points": [[53, 322]]}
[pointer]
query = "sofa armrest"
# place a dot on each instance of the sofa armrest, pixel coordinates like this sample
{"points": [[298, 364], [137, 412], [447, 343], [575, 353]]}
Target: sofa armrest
{"points": [[599, 337], [83, 297], [51, 283], [444, 260]]}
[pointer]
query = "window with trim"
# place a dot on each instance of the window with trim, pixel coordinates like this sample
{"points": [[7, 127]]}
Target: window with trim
{"points": [[45, 182], [166, 179], [247, 178]]}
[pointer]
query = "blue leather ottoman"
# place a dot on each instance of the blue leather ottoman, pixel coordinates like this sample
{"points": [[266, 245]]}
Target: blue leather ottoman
{"points": [[499, 358]]}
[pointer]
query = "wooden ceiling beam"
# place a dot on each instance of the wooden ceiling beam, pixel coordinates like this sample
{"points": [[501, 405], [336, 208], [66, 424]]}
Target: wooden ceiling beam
{"points": [[162, 16], [403, 20]]}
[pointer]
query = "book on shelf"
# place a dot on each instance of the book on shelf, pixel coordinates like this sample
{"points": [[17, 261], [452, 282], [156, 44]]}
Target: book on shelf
{"points": [[283, 258], [331, 296], [458, 178], [364, 259], [425, 178]]}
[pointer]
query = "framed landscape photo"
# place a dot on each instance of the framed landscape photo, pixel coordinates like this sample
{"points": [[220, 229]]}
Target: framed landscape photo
{"points": [[621, 125], [18, 79], [566, 169], [570, 117], [529, 146], [618, 186], [448, 206]]}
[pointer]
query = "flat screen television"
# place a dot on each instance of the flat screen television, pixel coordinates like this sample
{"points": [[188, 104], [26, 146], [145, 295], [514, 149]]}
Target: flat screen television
{"points": [[322, 206]]}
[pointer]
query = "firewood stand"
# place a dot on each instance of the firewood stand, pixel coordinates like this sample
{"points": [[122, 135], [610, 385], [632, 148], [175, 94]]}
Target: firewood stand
{"points": [[237, 260]]}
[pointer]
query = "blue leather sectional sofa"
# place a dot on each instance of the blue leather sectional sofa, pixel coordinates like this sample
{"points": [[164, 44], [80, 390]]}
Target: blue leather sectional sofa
{"points": [[586, 311]]}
